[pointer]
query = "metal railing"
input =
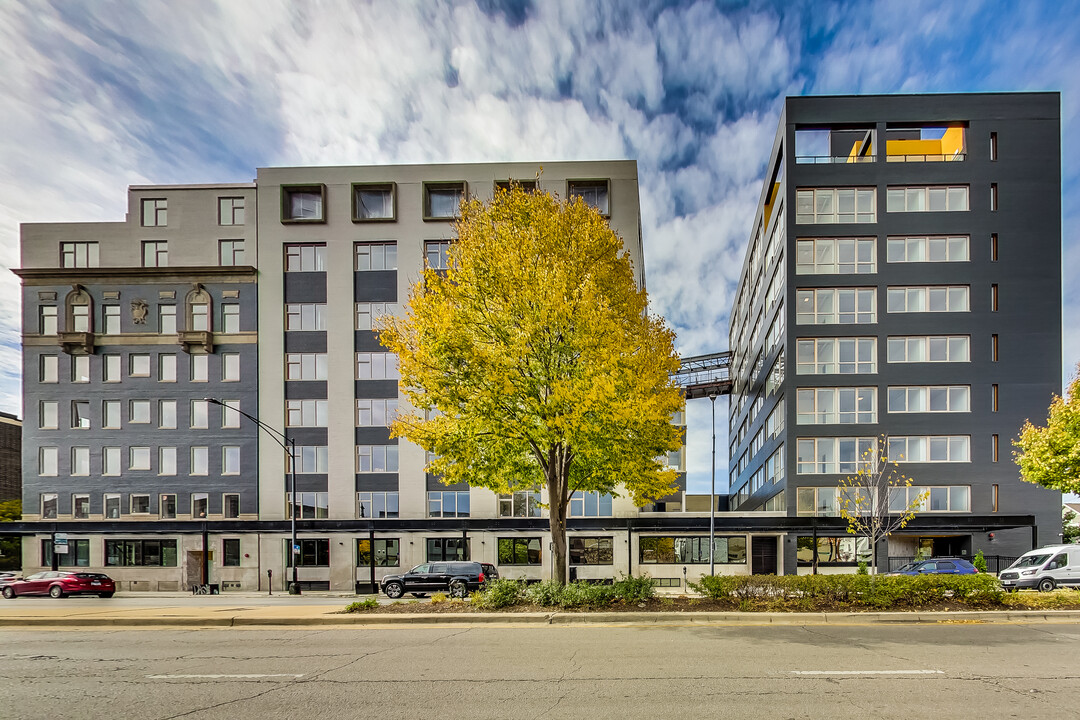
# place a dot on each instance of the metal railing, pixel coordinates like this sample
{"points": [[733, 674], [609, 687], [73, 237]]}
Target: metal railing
{"points": [[832, 159], [705, 375], [956, 157]]}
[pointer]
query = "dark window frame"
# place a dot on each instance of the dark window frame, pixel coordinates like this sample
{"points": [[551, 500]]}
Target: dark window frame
{"points": [[286, 193], [528, 186], [428, 186], [363, 556], [316, 549], [135, 551], [571, 182], [519, 547], [230, 552], [591, 550], [78, 554], [391, 186], [442, 544]]}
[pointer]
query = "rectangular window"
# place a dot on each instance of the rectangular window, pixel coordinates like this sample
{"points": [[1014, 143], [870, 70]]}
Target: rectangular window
{"points": [[829, 406], [155, 212], [78, 254], [305, 413], [929, 398], [198, 317], [844, 356], [994, 297], [230, 367], [590, 504], [230, 460], [593, 193], [80, 414], [111, 502], [930, 248], [948, 498], [932, 348], [48, 506], [994, 497], [312, 505], [368, 313], [520, 503], [140, 553], [305, 258], [155, 254], [139, 412], [830, 456], [945, 298], [817, 501], [829, 306], [139, 365], [994, 397], [231, 212], [80, 461], [590, 550], [200, 505], [387, 552], [140, 504], [230, 551], [230, 318], [376, 458], [167, 461], [445, 549], [305, 366], [930, 448], [376, 505], [305, 316], [47, 319], [442, 200], [167, 505], [658, 550], [376, 366], [993, 197], [110, 319], [312, 459], [231, 252], [79, 318], [139, 458], [437, 254], [77, 555], [937, 198], [774, 423], [993, 247], [994, 448], [373, 202], [994, 347], [313, 553], [80, 369], [302, 203], [993, 146], [49, 369], [376, 256], [230, 413], [110, 461], [167, 319], [835, 256], [80, 508], [200, 414], [110, 368], [48, 415], [376, 413], [835, 205], [448, 503], [230, 505], [200, 461], [520, 551], [200, 368]]}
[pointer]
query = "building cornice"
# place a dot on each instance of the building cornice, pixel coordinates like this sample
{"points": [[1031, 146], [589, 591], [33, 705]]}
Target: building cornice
{"points": [[49, 276]]}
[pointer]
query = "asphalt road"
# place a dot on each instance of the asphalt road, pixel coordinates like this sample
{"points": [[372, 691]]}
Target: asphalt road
{"points": [[925, 671]]}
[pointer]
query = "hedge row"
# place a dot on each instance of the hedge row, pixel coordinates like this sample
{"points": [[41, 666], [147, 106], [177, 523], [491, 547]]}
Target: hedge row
{"points": [[506, 593]]}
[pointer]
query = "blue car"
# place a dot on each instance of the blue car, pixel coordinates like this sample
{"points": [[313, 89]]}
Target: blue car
{"points": [[941, 565]]}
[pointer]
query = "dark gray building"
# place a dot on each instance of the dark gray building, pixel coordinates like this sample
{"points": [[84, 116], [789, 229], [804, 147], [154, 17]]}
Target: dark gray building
{"points": [[10, 457], [903, 279]]}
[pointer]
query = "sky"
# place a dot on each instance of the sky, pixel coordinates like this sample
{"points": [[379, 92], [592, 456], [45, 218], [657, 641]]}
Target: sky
{"points": [[96, 96]]}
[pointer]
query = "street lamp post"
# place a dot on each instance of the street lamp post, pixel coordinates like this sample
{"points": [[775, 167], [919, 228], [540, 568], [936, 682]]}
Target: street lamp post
{"points": [[289, 446], [712, 494]]}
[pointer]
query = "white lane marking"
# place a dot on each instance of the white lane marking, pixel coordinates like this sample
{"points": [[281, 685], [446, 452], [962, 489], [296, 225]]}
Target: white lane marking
{"points": [[867, 672], [221, 677]]}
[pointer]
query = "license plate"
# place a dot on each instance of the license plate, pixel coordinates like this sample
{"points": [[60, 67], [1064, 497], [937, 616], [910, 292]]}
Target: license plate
{"points": [[95, 582]]}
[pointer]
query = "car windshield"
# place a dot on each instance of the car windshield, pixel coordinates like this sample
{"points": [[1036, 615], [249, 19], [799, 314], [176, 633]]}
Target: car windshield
{"points": [[905, 568], [1031, 560]]}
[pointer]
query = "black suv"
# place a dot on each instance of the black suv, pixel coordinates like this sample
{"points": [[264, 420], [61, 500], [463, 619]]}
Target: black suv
{"points": [[457, 578]]}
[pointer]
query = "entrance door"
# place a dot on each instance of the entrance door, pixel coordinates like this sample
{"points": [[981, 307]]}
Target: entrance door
{"points": [[193, 569], [763, 555]]}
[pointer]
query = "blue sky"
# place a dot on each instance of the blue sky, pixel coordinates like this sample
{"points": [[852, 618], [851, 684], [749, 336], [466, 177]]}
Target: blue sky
{"points": [[100, 95]]}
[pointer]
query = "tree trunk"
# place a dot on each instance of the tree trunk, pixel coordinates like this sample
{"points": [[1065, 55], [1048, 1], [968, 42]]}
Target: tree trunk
{"points": [[557, 478]]}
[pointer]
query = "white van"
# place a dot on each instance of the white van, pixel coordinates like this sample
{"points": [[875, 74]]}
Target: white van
{"points": [[1045, 569]]}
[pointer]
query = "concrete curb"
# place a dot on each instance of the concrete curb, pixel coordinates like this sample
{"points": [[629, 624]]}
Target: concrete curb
{"points": [[571, 619]]}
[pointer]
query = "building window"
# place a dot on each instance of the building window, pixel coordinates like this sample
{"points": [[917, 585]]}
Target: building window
{"points": [[154, 212], [376, 458], [313, 505], [230, 318], [305, 413], [376, 505], [166, 368], [593, 193], [829, 356], [313, 553], [112, 508], [993, 247], [47, 319], [930, 448], [80, 461], [437, 254], [200, 368], [80, 507], [994, 398], [520, 551], [528, 186], [835, 205], [80, 414], [448, 504], [230, 460], [200, 461], [231, 212], [387, 553], [47, 461], [691, 550], [200, 414], [230, 505], [140, 504], [830, 406], [231, 252], [77, 555], [110, 368], [303, 203], [442, 201], [110, 461], [376, 413], [590, 550], [80, 369], [167, 319], [376, 256], [230, 414], [994, 448], [167, 507], [993, 197], [947, 298], [155, 254], [110, 319], [447, 549], [305, 366], [198, 310], [932, 348], [140, 553], [774, 423], [590, 504], [305, 316], [79, 311], [139, 412], [200, 505], [376, 366], [520, 503], [48, 506], [949, 498], [933, 248], [928, 199], [817, 501], [930, 398], [830, 306], [311, 459], [368, 313], [373, 202], [79, 254], [49, 369], [230, 552], [166, 461], [230, 367], [139, 458], [835, 256], [836, 455], [48, 415], [305, 258]]}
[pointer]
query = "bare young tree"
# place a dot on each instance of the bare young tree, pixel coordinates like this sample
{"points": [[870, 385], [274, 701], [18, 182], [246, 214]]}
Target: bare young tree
{"points": [[876, 501]]}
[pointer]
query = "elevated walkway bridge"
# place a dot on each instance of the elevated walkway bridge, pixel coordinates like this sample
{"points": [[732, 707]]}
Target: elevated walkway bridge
{"points": [[703, 376]]}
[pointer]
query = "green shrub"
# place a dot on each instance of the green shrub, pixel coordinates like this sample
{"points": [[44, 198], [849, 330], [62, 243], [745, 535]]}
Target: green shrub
{"points": [[437, 598], [502, 593], [631, 589], [362, 605], [544, 594], [862, 568], [979, 561]]}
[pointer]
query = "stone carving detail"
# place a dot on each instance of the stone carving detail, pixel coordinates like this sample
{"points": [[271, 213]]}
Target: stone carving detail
{"points": [[139, 309]]}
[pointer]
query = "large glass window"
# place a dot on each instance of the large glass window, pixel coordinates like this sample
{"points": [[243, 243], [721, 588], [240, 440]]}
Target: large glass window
{"points": [[945, 298], [826, 406], [376, 256], [520, 551], [829, 356], [387, 552], [155, 254], [437, 254], [78, 254], [230, 551], [932, 348], [933, 248], [930, 398], [373, 201], [521, 503], [305, 413], [376, 366], [302, 203], [836, 455], [950, 498], [305, 258], [930, 448], [448, 503], [376, 458], [835, 205], [376, 413], [155, 212], [835, 256], [312, 505], [305, 316], [377, 505], [590, 550], [593, 193], [313, 553], [829, 306], [77, 555], [367, 313], [442, 549], [666, 550], [231, 212], [140, 553], [312, 459], [938, 198], [305, 366], [590, 504], [442, 201]]}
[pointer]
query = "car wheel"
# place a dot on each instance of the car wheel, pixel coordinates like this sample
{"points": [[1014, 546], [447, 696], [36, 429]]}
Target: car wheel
{"points": [[56, 591], [394, 590], [458, 589], [105, 595], [419, 594], [1046, 585], [9, 592]]}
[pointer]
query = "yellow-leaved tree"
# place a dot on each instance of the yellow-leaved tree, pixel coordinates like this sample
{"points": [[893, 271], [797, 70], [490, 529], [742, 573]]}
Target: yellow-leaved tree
{"points": [[533, 362], [1050, 456]]}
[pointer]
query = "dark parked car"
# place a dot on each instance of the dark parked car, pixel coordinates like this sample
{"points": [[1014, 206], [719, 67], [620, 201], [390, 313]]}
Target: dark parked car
{"points": [[491, 573], [940, 565], [61, 584], [7, 576], [457, 578]]}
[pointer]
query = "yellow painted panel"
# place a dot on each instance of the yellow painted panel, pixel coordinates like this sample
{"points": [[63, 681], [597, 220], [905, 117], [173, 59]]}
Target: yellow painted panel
{"points": [[952, 141]]}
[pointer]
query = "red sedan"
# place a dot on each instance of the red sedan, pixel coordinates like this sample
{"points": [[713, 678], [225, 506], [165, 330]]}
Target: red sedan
{"points": [[61, 584]]}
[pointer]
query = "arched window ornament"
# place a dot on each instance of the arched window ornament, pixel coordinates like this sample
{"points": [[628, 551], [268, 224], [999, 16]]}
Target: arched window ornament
{"points": [[198, 335], [78, 335]]}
